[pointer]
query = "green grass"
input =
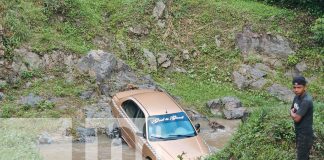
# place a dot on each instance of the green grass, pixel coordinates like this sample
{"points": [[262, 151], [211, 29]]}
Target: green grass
{"points": [[17, 140]]}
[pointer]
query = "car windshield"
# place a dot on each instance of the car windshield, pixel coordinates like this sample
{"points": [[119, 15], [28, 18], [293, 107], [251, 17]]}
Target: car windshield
{"points": [[170, 127]]}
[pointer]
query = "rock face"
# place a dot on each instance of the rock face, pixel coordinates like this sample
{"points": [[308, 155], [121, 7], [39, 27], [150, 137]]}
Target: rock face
{"points": [[251, 77], [272, 45], [110, 73], [230, 107], [281, 92]]}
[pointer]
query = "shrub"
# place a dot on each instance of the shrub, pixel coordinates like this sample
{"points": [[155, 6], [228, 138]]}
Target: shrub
{"points": [[318, 30]]}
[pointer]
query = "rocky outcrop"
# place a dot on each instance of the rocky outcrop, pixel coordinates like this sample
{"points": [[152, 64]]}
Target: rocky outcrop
{"points": [[230, 107], [158, 10], [111, 74], [281, 92], [251, 77], [268, 44]]}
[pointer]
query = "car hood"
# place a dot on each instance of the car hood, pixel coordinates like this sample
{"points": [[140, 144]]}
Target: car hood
{"points": [[193, 147]]}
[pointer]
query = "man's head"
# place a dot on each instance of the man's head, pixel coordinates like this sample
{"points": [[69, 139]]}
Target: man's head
{"points": [[299, 85]]}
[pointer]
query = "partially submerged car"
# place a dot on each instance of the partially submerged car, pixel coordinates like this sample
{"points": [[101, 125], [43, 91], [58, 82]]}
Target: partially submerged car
{"points": [[153, 123]]}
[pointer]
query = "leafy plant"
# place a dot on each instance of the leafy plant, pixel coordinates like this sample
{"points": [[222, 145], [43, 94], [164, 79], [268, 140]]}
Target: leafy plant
{"points": [[292, 60], [318, 30]]}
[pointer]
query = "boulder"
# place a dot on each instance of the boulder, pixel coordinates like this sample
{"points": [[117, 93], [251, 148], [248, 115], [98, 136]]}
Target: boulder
{"points": [[301, 66], [215, 106], [158, 10], [281, 92], [151, 59], [32, 60], [98, 64], [163, 60], [218, 41], [230, 107], [185, 54], [251, 77], [268, 44]]}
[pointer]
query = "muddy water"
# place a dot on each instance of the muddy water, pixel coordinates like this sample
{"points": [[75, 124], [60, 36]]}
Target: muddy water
{"points": [[104, 148]]}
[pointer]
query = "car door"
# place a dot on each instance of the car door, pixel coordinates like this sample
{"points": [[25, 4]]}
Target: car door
{"points": [[130, 109]]}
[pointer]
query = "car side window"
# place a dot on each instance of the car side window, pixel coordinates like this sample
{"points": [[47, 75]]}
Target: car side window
{"points": [[130, 108], [135, 113]]}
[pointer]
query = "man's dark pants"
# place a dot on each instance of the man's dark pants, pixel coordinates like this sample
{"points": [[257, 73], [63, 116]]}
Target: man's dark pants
{"points": [[304, 142]]}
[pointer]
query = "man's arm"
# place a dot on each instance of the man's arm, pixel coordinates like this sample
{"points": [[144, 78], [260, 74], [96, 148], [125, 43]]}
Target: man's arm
{"points": [[295, 116]]}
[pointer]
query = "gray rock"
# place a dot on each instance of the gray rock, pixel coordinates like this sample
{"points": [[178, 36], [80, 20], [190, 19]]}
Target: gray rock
{"points": [[179, 70], [281, 92], [292, 73], [250, 77], [104, 89], [163, 60], [32, 60], [215, 106], [86, 95], [99, 110], [98, 64], [218, 41], [86, 135], [234, 113], [151, 59], [263, 67], [301, 66], [185, 54], [31, 100], [240, 81], [45, 138], [272, 45], [158, 10], [138, 30], [231, 107], [194, 115], [1, 96], [259, 84], [161, 23], [256, 73]]}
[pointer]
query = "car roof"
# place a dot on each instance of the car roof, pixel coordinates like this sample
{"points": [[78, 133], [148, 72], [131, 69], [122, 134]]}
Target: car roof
{"points": [[157, 103]]}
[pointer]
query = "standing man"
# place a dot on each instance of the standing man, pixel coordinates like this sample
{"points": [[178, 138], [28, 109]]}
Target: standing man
{"points": [[302, 114]]}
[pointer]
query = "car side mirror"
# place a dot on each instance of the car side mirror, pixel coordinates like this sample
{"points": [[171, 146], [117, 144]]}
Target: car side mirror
{"points": [[197, 126]]}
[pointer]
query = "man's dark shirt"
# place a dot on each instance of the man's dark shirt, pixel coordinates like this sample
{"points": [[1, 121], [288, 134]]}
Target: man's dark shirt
{"points": [[304, 106]]}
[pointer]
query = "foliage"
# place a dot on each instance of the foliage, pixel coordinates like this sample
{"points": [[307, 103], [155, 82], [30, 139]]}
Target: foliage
{"points": [[318, 30], [292, 60], [313, 6]]}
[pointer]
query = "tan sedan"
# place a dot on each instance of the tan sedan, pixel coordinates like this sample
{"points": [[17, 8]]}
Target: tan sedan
{"points": [[153, 123]]}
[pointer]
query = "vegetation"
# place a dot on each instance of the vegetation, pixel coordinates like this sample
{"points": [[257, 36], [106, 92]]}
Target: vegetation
{"points": [[72, 26]]}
